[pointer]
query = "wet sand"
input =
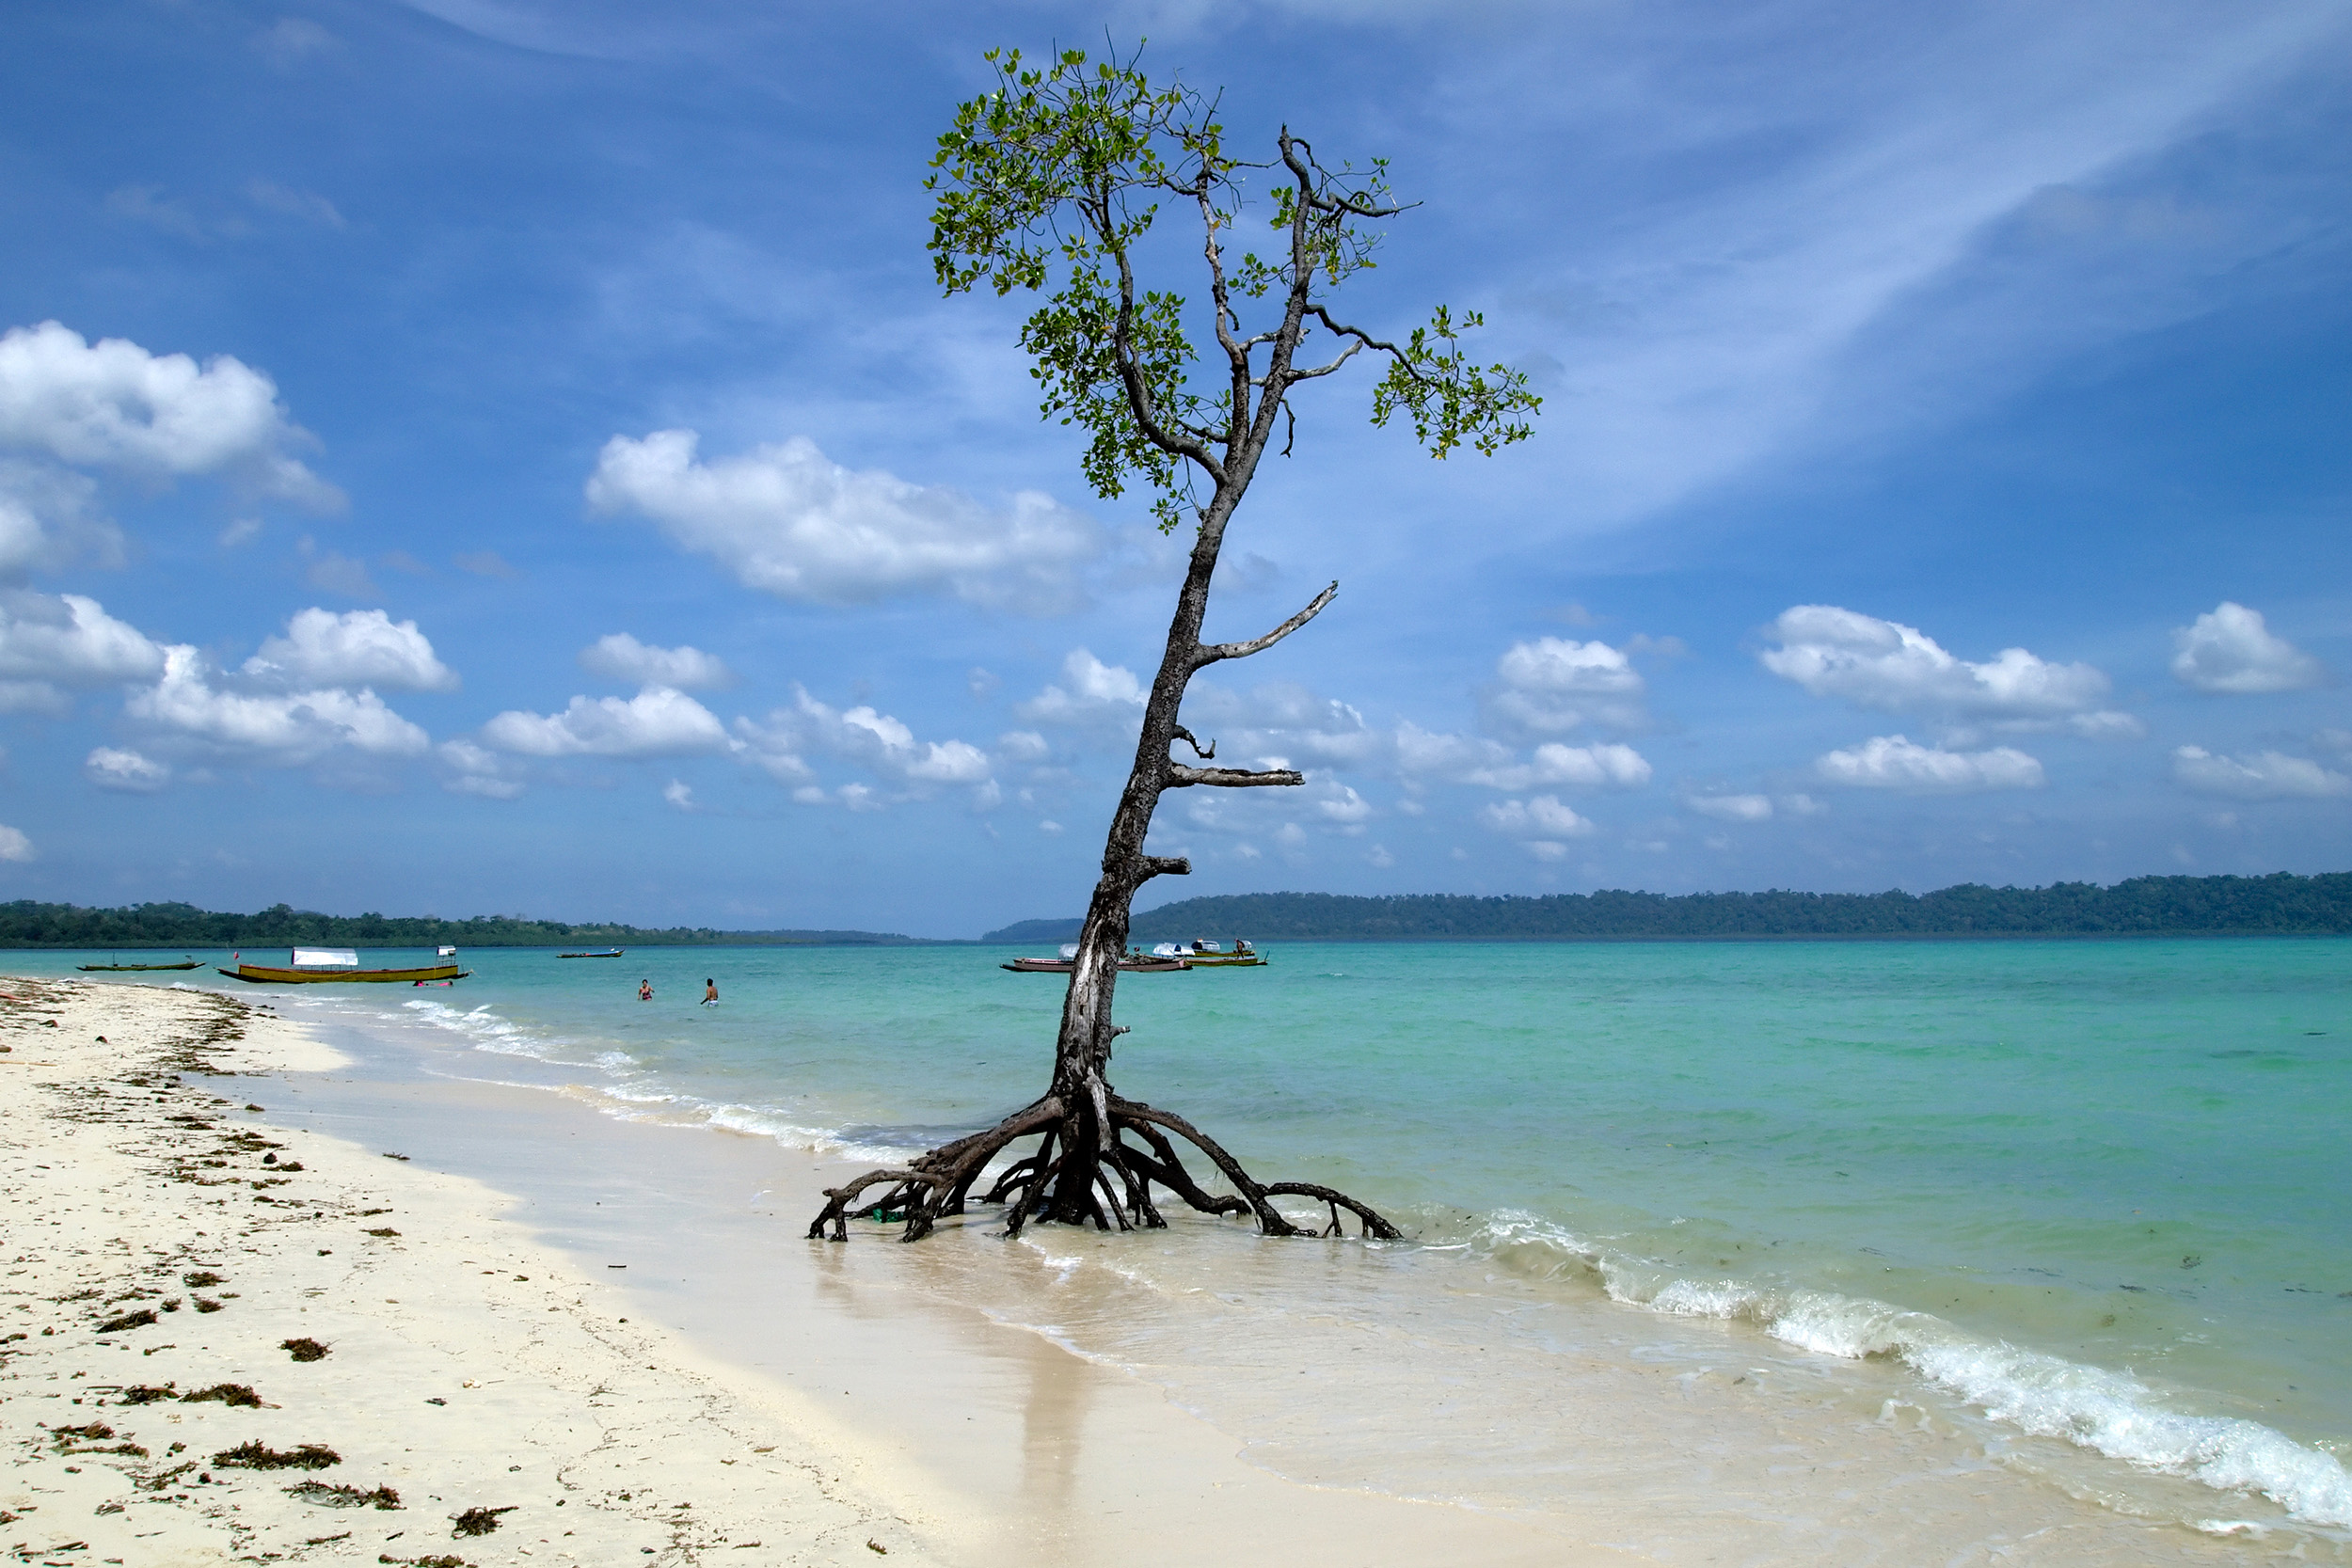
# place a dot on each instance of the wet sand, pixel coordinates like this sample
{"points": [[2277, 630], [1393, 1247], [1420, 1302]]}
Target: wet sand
{"points": [[495, 1390]]}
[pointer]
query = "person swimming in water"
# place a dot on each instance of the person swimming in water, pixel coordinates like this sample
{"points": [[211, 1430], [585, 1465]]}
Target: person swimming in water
{"points": [[710, 992], [645, 990]]}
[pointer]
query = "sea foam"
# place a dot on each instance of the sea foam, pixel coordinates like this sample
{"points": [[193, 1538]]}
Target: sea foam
{"points": [[2108, 1412]]}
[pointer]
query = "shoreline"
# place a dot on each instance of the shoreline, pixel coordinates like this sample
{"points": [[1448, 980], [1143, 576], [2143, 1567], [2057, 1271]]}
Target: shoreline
{"points": [[477, 1362], [956, 1388]]}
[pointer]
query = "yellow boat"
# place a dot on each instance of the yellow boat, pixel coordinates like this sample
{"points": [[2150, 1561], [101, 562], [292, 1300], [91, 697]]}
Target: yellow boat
{"points": [[313, 965]]}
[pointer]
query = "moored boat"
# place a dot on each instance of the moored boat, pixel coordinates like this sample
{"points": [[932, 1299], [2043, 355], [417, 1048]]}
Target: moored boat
{"points": [[1208, 954], [313, 965], [608, 953], [135, 969], [1134, 963]]}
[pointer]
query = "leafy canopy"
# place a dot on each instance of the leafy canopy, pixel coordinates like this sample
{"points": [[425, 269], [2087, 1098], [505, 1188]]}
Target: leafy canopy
{"points": [[1053, 180]]}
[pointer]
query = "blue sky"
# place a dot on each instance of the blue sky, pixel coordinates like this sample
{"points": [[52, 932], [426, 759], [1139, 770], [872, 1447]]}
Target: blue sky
{"points": [[483, 455]]}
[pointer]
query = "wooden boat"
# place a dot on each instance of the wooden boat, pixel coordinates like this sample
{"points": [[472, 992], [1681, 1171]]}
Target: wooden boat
{"points": [[609, 953], [315, 965], [135, 969], [1133, 965], [1208, 954]]}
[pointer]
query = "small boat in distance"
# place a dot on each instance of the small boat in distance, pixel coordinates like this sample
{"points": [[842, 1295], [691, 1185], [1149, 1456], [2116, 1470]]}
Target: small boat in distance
{"points": [[133, 969], [1134, 963], [1208, 954], [608, 953], [311, 965]]}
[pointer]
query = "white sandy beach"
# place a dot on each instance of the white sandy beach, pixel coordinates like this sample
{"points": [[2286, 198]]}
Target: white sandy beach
{"points": [[167, 1239], [164, 1240]]}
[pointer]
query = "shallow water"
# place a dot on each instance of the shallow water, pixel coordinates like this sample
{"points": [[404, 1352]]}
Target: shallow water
{"points": [[2069, 1208]]}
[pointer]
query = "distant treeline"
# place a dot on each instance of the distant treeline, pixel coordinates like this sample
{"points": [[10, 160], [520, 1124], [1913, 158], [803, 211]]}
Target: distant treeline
{"points": [[24, 924], [2145, 906]]}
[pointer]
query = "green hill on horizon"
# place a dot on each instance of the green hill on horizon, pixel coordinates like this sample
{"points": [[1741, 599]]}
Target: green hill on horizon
{"points": [[2279, 904], [25, 924]]}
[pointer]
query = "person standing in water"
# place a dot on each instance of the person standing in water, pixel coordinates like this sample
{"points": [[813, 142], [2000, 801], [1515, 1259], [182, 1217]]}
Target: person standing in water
{"points": [[710, 992], [645, 990]]}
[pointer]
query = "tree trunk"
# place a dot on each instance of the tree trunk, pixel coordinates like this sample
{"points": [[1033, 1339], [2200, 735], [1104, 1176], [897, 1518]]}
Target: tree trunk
{"points": [[1083, 1169], [1083, 1050]]}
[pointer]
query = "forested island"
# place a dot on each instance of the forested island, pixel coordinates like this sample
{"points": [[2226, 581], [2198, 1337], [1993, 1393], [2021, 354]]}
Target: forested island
{"points": [[2281, 904], [25, 924]]}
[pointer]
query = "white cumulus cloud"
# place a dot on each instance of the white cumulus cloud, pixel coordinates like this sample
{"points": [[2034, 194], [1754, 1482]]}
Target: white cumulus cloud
{"points": [[869, 738], [113, 404], [658, 721], [887, 746], [110, 769], [624, 659], [1090, 695], [1553, 685], [1542, 816], [789, 520], [473, 771], [49, 516], [282, 728], [14, 846], [361, 647], [49, 647], [1893, 762], [2230, 649], [1023, 746], [1592, 767], [1894, 668], [1343, 805], [2265, 776]]}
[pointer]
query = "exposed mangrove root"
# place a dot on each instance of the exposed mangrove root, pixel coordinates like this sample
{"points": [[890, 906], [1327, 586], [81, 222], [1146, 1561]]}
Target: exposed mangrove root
{"points": [[1104, 1180]]}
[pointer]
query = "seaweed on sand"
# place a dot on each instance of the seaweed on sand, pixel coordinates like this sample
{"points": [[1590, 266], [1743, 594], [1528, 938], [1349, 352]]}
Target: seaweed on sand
{"points": [[304, 1350], [87, 1439], [478, 1521], [324, 1495], [139, 1318], [256, 1456], [225, 1393]]}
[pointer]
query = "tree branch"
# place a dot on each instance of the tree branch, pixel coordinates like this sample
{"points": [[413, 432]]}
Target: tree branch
{"points": [[1216, 651], [1341, 330], [1346, 354], [1174, 443], [1206, 754], [1179, 776]]}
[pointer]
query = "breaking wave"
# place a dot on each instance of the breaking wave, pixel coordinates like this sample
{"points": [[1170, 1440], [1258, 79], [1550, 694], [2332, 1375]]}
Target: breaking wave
{"points": [[2108, 1412]]}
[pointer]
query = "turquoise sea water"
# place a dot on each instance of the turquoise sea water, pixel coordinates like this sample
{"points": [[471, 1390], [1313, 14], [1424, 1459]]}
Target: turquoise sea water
{"points": [[2087, 1194]]}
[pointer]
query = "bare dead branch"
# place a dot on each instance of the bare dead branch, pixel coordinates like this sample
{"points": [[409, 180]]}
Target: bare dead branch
{"points": [[1325, 368], [1216, 651], [1207, 753], [1341, 330], [1182, 777]]}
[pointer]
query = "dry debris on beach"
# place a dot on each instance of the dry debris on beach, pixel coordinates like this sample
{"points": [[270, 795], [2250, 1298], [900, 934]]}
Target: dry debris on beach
{"points": [[216, 1347]]}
